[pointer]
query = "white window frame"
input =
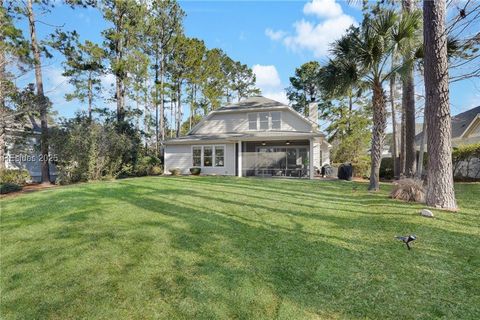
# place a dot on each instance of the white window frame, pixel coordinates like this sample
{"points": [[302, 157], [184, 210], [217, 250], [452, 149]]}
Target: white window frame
{"points": [[270, 125], [256, 121], [270, 121], [213, 146]]}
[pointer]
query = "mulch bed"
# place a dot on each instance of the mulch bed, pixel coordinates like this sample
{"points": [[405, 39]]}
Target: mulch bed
{"points": [[30, 188]]}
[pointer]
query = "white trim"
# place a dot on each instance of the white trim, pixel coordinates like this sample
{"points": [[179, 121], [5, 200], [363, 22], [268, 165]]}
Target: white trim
{"points": [[270, 122], [470, 125], [310, 162], [202, 146], [239, 158]]}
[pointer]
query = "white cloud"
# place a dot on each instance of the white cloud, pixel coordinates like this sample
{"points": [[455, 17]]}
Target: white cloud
{"points": [[323, 8], [315, 36], [280, 96], [267, 76], [268, 81], [275, 35]]}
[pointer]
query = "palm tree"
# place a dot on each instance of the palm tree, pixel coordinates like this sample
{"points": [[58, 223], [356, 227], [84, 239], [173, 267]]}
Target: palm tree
{"points": [[440, 188], [370, 49]]}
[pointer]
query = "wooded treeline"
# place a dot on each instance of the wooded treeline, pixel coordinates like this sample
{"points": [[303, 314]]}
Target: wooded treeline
{"points": [[370, 79], [158, 74]]}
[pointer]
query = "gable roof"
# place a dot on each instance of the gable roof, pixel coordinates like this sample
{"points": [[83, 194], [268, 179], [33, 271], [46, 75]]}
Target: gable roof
{"points": [[460, 123], [250, 104]]}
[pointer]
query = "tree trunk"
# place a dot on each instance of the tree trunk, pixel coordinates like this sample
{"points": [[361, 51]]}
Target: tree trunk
{"points": [[179, 112], [42, 100], [440, 188], [90, 96], [162, 105], [422, 150], [408, 99], [120, 73], [157, 96], [394, 125], [378, 135], [3, 111], [401, 156], [409, 102]]}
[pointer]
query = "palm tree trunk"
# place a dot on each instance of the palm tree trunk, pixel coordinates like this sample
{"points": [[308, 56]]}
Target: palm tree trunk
{"points": [[42, 100], [401, 157], [440, 188], [378, 135], [394, 123]]}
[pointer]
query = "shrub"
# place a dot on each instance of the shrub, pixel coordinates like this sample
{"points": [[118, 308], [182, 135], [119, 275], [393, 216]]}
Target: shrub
{"points": [[175, 171], [90, 150], [145, 165], [15, 176], [361, 168], [156, 170], [9, 187], [386, 169], [464, 158], [408, 190]]}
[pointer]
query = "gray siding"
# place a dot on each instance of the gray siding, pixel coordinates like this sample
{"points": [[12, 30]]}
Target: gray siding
{"points": [[238, 122], [180, 156]]}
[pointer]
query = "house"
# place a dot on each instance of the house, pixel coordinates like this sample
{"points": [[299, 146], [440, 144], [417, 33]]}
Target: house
{"points": [[22, 151], [465, 129], [254, 137]]}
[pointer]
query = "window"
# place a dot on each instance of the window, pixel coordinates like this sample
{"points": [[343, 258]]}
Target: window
{"points": [[207, 156], [252, 121], [263, 120], [219, 156], [276, 120], [197, 156]]}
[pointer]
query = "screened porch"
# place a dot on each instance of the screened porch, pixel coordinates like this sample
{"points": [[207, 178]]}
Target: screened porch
{"points": [[276, 158]]}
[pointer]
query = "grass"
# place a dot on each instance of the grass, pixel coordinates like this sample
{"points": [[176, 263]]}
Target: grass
{"points": [[217, 248]]}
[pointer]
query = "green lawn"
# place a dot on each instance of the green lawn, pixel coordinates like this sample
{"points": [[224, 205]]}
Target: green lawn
{"points": [[217, 248]]}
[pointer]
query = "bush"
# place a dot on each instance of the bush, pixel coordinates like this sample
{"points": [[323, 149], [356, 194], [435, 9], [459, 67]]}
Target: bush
{"points": [[386, 169], [408, 190], [465, 161], [175, 171], [15, 176], [90, 150], [145, 166], [361, 168], [9, 187], [156, 170]]}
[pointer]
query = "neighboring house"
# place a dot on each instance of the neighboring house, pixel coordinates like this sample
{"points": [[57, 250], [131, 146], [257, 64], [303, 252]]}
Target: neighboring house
{"points": [[465, 129], [23, 152], [254, 137]]}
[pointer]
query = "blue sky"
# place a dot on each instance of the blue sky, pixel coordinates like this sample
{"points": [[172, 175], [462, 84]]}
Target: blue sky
{"points": [[272, 37]]}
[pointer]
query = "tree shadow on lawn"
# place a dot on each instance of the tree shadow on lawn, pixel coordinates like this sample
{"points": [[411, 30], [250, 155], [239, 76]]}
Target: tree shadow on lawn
{"points": [[228, 258]]}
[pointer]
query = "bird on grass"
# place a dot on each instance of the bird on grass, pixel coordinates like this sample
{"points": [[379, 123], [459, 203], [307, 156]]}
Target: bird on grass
{"points": [[407, 239]]}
